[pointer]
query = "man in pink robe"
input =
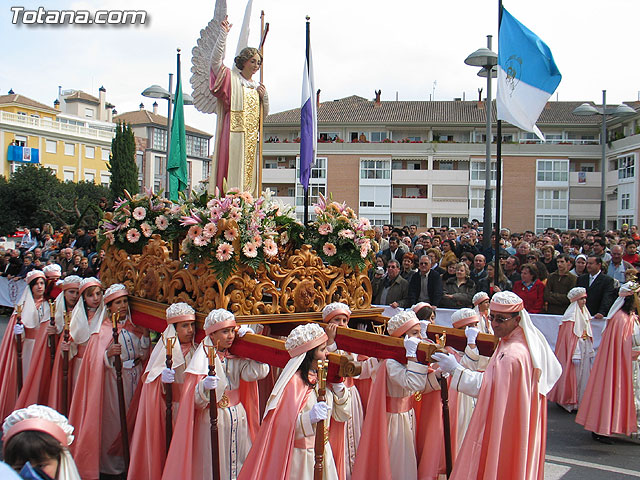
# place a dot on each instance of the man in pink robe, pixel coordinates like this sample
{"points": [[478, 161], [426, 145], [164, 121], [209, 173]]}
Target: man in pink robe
{"points": [[506, 438]]}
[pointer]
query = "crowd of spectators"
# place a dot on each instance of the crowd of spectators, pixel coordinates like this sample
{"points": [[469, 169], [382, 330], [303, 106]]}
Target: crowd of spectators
{"points": [[446, 267]]}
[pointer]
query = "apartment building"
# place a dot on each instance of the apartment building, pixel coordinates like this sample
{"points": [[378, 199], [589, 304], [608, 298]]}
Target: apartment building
{"points": [[423, 163], [150, 130], [72, 137]]}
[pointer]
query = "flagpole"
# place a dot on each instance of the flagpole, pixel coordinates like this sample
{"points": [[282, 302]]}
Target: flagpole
{"points": [[498, 170], [306, 190], [486, 223], [166, 163], [260, 117]]}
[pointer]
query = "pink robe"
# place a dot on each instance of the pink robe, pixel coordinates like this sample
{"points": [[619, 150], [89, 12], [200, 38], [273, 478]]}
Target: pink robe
{"points": [[608, 403], [565, 391], [506, 439], [8, 372], [37, 379]]}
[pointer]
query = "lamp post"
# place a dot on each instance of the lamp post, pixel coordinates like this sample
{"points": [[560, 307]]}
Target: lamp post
{"points": [[487, 59], [156, 91], [587, 110]]}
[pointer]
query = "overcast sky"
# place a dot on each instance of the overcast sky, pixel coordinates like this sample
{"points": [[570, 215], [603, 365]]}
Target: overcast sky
{"points": [[410, 48]]}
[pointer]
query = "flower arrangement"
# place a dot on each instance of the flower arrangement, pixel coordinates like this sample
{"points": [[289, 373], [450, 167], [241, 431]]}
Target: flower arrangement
{"points": [[339, 236], [136, 218]]}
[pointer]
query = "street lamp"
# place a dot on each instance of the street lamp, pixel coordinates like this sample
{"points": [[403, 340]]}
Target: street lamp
{"points": [[156, 91], [487, 59], [587, 110]]}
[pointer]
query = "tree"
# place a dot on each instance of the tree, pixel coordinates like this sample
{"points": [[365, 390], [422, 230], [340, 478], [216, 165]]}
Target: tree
{"points": [[122, 164]]}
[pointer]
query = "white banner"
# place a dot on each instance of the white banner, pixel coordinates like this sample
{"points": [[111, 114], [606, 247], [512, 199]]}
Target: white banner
{"points": [[10, 291]]}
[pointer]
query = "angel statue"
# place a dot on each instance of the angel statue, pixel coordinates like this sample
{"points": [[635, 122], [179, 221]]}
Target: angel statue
{"points": [[235, 98]]}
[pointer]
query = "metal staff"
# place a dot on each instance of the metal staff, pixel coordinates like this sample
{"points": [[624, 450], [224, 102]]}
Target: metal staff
{"points": [[213, 415], [117, 362], [65, 367], [52, 337], [444, 394], [19, 348], [169, 394], [264, 29], [323, 366]]}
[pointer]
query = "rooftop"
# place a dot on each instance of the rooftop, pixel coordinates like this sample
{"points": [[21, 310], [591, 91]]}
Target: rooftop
{"points": [[145, 117], [79, 95], [16, 98]]}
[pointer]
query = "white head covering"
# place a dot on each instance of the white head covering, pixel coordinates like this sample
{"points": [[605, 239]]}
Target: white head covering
{"points": [[580, 317], [625, 291], [401, 322], [79, 327], [301, 339], [333, 309], [219, 319], [72, 281], [157, 360], [464, 317], [29, 315], [543, 358], [53, 270], [484, 324], [47, 420], [479, 297]]}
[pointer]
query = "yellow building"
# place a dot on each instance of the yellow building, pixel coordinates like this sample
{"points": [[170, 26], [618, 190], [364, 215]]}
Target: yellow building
{"points": [[73, 138]]}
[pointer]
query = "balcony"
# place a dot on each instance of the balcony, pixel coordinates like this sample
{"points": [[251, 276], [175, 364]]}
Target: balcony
{"points": [[48, 125], [278, 175], [410, 205], [589, 179]]}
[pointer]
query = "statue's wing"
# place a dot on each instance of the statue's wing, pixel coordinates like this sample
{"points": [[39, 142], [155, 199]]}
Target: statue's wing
{"points": [[203, 100], [243, 40]]}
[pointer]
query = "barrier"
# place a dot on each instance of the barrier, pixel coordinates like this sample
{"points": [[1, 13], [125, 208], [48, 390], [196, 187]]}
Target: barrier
{"points": [[10, 291]]}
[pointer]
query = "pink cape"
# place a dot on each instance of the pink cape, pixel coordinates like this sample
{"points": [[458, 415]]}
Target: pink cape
{"points": [[506, 438], [372, 457], [85, 413], [220, 86], [271, 453], [185, 457], [565, 391], [55, 387], [37, 379], [607, 405], [8, 370]]}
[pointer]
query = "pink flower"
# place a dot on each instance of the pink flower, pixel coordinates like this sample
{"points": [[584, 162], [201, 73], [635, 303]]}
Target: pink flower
{"points": [[215, 212], [111, 238], [192, 219], [146, 229], [224, 252], [231, 234], [257, 239], [139, 213], [194, 231], [325, 229], [161, 222], [346, 233], [250, 250], [329, 249], [270, 248], [174, 210], [364, 251], [133, 235], [364, 224], [317, 210], [210, 229], [200, 241], [235, 214]]}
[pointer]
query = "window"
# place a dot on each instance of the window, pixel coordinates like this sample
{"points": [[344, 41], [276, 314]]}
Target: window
{"points": [[377, 196], [270, 163], [89, 177], [69, 175], [159, 165], [378, 136], [139, 163], [586, 224], [397, 192], [587, 167], [454, 222], [413, 220], [53, 168], [88, 112], [414, 139], [552, 199], [413, 165], [626, 167], [159, 139], [20, 141], [51, 146], [477, 198], [396, 165], [375, 169], [629, 220], [625, 201], [105, 154], [206, 169], [291, 191], [444, 165], [90, 152], [69, 149], [105, 179], [545, 221], [553, 170], [478, 171], [314, 194]]}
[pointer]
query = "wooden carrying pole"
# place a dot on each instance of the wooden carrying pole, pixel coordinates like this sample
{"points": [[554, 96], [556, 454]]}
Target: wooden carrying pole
{"points": [[213, 416], [117, 362], [52, 337], [318, 466], [19, 349], [264, 29], [446, 423], [65, 367], [168, 396]]}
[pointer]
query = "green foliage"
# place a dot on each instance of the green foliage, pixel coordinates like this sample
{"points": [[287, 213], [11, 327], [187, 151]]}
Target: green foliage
{"points": [[34, 196], [122, 164]]}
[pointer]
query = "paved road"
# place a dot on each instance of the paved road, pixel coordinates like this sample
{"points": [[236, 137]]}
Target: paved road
{"points": [[571, 453]]}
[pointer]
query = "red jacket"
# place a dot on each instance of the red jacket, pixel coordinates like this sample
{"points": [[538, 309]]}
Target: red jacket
{"points": [[533, 298]]}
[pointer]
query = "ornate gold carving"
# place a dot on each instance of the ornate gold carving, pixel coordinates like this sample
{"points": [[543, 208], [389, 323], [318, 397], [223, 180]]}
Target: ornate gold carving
{"points": [[298, 282]]}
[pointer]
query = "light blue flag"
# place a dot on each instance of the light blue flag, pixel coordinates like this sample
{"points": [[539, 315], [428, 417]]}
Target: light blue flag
{"points": [[527, 75]]}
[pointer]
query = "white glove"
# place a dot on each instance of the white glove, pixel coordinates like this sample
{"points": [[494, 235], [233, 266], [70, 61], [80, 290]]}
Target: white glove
{"points": [[446, 361], [472, 334], [337, 388], [18, 329], [423, 328], [244, 329], [411, 346], [210, 382], [320, 411], [168, 375]]}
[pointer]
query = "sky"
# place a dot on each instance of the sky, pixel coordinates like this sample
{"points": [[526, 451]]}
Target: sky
{"points": [[412, 50]]}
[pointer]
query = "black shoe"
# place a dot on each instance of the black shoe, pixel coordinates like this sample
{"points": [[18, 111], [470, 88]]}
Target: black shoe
{"points": [[602, 439]]}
